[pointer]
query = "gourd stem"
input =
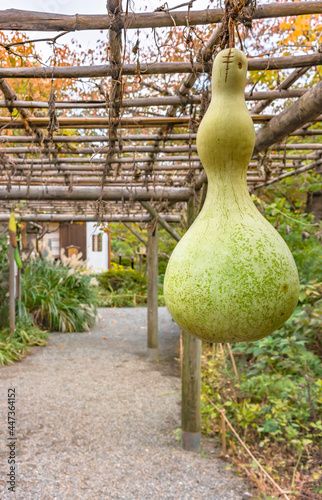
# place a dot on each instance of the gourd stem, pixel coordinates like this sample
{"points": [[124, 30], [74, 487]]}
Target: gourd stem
{"points": [[231, 34]]}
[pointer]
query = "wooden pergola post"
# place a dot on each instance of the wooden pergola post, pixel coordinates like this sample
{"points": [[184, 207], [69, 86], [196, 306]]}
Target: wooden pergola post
{"points": [[191, 378], [191, 388], [12, 295], [153, 290]]}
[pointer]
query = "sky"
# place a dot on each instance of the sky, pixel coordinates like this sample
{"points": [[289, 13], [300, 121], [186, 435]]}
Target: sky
{"points": [[88, 38]]}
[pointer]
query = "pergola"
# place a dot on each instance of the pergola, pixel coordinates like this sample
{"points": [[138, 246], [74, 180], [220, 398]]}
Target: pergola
{"points": [[137, 167]]}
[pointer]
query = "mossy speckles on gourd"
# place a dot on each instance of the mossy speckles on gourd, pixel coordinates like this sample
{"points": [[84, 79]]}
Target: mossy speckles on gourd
{"points": [[231, 278]]}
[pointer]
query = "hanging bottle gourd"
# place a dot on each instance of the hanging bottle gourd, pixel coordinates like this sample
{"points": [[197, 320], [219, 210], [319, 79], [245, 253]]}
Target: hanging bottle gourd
{"points": [[231, 278]]}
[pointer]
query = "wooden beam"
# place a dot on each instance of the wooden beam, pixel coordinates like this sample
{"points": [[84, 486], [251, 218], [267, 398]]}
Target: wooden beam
{"points": [[304, 132], [90, 193], [191, 379], [52, 217], [90, 122], [134, 122], [305, 109], [296, 171], [99, 150], [114, 8], [182, 100], [66, 160], [136, 234], [191, 391], [14, 19], [161, 220], [11, 98], [142, 102], [144, 149], [61, 169], [96, 138], [152, 265], [174, 162], [94, 71], [280, 88]]}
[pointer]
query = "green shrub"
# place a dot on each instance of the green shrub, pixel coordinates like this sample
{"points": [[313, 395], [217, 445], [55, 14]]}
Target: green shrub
{"points": [[280, 384], [14, 346], [60, 296], [121, 287], [275, 404], [122, 280]]}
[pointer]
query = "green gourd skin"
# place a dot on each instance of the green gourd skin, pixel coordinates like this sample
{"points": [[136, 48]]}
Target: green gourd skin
{"points": [[231, 278]]}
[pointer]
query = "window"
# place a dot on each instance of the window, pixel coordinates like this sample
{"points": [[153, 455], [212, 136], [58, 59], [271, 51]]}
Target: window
{"points": [[97, 242]]}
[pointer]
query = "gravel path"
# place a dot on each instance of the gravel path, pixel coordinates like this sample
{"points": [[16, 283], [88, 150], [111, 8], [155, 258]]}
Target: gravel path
{"points": [[96, 419]]}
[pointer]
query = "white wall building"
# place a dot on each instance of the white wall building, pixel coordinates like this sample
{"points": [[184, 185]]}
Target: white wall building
{"points": [[97, 248], [86, 238]]}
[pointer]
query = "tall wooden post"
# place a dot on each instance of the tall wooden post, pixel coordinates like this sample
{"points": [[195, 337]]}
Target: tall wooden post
{"points": [[191, 388], [109, 249], [191, 378], [12, 295], [153, 290]]}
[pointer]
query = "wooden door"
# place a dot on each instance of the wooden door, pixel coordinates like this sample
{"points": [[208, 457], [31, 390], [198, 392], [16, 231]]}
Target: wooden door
{"points": [[73, 235]]}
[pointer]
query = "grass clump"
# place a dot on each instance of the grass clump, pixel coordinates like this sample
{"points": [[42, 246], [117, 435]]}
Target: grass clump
{"points": [[14, 346], [60, 296]]}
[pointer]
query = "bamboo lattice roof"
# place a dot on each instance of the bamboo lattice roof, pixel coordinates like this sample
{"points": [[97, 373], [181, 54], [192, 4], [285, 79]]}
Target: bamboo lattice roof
{"points": [[139, 145]]}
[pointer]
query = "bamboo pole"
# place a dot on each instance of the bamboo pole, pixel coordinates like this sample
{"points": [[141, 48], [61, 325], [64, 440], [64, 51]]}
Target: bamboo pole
{"points": [[297, 171], [24, 172], [10, 100], [161, 220], [95, 138], [10, 139], [306, 132], [99, 122], [280, 88], [305, 109], [152, 263], [136, 234], [95, 71], [61, 168], [143, 102], [146, 149], [93, 160], [12, 295], [61, 163], [223, 432], [14, 19], [90, 193], [114, 8], [72, 181], [232, 360], [87, 218], [99, 150]]}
